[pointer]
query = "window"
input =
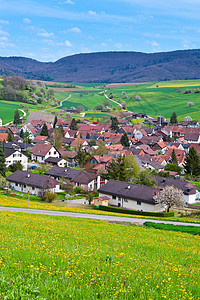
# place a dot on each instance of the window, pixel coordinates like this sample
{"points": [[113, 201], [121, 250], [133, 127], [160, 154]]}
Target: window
{"points": [[24, 186], [49, 152], [16, 184], [14, 155], [33, 188], [54, 152], [113, 197], [138, 202]]}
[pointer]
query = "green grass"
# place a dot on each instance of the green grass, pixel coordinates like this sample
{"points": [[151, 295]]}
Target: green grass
{"points": [[46, 257], [154, 101], [188, 229], [7, 111]]}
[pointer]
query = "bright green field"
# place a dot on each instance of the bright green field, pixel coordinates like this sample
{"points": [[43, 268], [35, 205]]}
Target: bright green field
{"points": [[89, 99], [163, 100], [7, 111], [46, 257]]}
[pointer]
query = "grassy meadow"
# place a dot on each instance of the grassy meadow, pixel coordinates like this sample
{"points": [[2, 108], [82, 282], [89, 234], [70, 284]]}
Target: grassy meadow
{"points": [[46, 257], [7, 111], [157, 98]]}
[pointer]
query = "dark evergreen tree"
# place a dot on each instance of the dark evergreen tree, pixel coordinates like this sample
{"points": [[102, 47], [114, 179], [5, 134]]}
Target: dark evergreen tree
{"points": [[173, 159], [16, 118], [21, 134], [192, 163], [44, 131], [60, 128], [55, 121], [88, 136], [2, 162], [73, 125], [114, 123], [173, 118], [116, 169], [124, 140], [10, 137]]}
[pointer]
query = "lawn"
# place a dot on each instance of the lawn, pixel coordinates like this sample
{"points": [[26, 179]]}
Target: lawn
{"points": [[46, 257]]}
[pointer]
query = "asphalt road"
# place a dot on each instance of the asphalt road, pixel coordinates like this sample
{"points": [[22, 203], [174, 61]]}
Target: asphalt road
{"points": [[90, 216]]}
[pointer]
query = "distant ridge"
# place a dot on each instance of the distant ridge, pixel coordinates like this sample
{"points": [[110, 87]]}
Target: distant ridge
{"points": [[108, 67]]}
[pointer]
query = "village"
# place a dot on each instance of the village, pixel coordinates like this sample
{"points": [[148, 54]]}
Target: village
{"points": [[59, 156]]}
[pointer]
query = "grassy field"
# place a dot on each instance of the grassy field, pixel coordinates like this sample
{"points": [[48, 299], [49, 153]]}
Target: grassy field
{"points": [[7, 111], [45, 257], [157, 98], [162, 100]]}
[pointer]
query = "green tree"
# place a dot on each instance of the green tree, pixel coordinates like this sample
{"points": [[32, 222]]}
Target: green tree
{"points": [[16, 118], [21, 134], [88, 135], [90, 197], [145, 178], [55, 121], [73, 125], [2, 162], [124, 140], [44, 131], [16, 166], [81, 156], [132, 167], [173, 159], [62, 132], [173, 167], [10, 137], [116, 169], [173, 118], [192, 163], [114, 123]]}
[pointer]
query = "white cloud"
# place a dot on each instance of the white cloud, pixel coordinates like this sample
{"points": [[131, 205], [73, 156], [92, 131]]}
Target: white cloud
{"points": [[75, 30], [93, 13], [4, 22], [4, 33], [45, 34], [27, 21], [69, 2], [68, 44]]}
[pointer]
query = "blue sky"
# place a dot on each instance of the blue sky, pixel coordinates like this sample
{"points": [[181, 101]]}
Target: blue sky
{"points": [[48, 30]]}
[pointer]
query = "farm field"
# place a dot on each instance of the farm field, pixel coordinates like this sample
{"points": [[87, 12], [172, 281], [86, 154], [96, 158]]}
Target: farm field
{"points": [[46, 257], [160, 98]]}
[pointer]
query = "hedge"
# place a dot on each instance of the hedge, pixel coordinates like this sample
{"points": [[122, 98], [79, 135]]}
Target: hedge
{"points": [[181, 228], [135, 212]]}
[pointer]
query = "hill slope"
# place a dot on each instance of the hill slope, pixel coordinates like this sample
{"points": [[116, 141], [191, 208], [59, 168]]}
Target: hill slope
{"points": [[109, 67]]}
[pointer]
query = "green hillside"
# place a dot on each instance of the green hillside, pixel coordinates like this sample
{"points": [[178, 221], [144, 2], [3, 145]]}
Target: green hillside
{"points": [[160, 98], [46, 257]]}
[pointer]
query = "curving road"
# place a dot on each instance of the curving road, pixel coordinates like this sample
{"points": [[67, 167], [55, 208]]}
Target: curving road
{"points": [[137, 221]]}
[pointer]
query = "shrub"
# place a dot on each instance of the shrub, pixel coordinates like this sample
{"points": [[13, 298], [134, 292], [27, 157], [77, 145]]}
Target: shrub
{"points": [[135, 212], [50, 196], [181, 228]]}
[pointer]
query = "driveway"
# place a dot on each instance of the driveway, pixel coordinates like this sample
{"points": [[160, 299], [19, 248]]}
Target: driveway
{"points": [[91, 216]]}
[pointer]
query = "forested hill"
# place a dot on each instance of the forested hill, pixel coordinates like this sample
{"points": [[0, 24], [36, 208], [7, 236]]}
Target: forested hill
{"points": [[108, 67]]}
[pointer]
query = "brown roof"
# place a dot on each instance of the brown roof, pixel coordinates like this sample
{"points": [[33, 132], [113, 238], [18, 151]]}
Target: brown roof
{"points": [[41, 149]]}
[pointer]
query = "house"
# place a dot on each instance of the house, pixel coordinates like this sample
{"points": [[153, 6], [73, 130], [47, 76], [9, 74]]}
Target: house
{"points": [[33, 183], [101, 200], [88, 181], [97, 162], [12, 156], [57, 161], [148, 162], [130, 196], [189, 189], [40, 152]]}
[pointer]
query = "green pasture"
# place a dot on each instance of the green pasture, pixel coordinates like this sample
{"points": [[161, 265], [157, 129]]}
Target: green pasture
{"points": [[88, 99], [161, 100], [7, 111], [47, 257]]}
